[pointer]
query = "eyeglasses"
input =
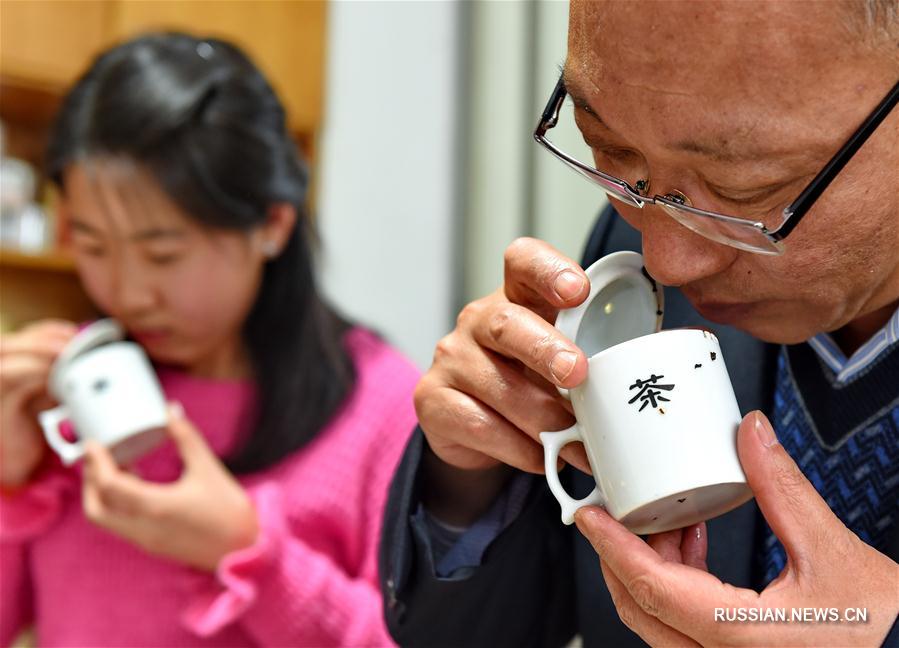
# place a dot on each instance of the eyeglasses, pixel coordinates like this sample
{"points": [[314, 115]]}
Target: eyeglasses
{"points": [[742, 233]]}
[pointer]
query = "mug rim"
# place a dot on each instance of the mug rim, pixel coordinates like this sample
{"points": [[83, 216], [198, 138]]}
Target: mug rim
{"points": [[681, 330], [58, 373], [601, 274]]}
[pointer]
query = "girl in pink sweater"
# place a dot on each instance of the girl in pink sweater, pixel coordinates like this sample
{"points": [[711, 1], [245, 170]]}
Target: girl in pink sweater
{"points": [[258, 524]]}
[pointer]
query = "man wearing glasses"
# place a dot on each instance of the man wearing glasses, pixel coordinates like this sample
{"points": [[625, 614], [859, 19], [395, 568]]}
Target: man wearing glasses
{"points": [[754, 149]]}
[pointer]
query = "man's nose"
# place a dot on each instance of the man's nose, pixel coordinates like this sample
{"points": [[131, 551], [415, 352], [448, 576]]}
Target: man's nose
{"points": [[675, 255]]}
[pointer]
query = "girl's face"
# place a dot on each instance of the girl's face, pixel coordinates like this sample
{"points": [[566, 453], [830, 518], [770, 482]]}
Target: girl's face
{"points": [[181, 289]]}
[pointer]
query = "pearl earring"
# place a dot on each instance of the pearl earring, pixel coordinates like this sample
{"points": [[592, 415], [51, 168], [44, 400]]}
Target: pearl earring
{"points": [[269, 249]]}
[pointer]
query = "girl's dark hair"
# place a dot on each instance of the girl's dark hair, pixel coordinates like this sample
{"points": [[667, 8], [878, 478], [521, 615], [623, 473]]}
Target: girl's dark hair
{"points": [[206, 123]]}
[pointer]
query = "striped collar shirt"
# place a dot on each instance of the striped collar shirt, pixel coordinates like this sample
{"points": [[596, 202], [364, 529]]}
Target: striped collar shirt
{"points": [[845, 368]]}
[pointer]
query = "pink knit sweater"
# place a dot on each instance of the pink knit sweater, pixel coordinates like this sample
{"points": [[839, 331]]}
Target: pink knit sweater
{"points": [[309, 580]]}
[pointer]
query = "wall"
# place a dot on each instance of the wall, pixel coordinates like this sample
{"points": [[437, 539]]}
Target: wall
{"points": [[389, 169], [429, 168], [514, 187]]}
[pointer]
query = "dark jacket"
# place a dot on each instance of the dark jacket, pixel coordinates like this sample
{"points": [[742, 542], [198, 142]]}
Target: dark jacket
{"points": [[540, 581]]}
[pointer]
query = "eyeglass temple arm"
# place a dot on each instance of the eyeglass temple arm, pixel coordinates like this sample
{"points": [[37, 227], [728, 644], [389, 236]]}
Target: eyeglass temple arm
{"points": [[816, 187], [550, 115]]}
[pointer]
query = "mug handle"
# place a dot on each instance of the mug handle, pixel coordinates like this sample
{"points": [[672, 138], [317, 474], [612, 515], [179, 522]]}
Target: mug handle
{"points": [[69, 451], [553, 442]]}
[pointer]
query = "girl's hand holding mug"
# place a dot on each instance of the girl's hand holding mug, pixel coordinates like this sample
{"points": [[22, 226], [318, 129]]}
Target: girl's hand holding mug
{"points": [[25, 361], [195, 520]]}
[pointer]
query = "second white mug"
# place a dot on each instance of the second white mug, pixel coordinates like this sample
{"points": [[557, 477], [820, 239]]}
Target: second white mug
{"points": [[109, 393]]}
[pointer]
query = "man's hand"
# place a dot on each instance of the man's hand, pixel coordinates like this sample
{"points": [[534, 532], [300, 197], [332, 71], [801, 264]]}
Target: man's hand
{"points": [[664, 593], [492, 387]]}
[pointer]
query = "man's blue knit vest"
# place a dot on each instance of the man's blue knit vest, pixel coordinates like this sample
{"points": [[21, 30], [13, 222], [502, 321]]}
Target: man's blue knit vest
{"points": [[845, 439]]}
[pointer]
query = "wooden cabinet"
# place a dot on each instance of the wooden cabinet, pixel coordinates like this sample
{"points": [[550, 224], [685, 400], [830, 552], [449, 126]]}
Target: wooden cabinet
{"points": [[39, 286], [284, 38], [49, 43]]}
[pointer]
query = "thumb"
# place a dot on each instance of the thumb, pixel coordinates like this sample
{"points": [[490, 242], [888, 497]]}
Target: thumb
{"points": [[797, 514], [191, 445]]}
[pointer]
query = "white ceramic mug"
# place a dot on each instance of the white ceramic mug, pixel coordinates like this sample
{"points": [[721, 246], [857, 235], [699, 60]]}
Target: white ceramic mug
{"points": [[109, 393], [657, 413]]}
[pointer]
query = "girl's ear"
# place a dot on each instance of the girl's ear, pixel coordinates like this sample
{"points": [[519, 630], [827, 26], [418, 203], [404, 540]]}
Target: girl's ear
{"points": [[279, 224]]}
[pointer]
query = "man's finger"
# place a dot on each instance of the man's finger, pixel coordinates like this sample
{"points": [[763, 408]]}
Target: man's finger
{"points": [[650, 629], [800, 519], [501, 384], [515, 332], [543, 279], [484, 431], [667, 544], [695, 546], [681, 597]]}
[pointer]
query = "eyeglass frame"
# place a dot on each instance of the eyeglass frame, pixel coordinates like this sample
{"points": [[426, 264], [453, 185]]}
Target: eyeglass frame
{"points": [[792, 213]]}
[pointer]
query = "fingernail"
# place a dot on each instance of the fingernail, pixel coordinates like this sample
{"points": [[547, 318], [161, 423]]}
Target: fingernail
{"points": [[568, 285], [580, 517], [764, 430], [176, 409], [562, 365], [585, 518]]}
